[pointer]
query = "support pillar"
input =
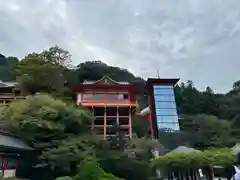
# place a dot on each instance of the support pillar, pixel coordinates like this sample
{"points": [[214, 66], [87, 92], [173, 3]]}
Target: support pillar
{"points": [[117, 120], [93, 121], [105, 124], [130, 123]]}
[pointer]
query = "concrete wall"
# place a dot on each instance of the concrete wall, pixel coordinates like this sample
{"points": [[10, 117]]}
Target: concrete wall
{"points": [[8, 173]]}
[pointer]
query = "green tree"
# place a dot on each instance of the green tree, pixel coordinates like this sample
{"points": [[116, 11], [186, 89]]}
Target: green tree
{"points": [[141, 126], [95, 70], [43, 72], [207, 131], [90, 170], [7, 68], [57, 131], [132, 162]]}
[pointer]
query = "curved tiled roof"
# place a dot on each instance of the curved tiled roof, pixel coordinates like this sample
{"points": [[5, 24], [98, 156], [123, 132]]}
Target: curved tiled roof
{"points": [[10, 142], [183, 149]]}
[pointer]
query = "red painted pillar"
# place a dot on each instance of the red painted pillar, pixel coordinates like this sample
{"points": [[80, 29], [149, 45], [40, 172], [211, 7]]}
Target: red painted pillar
{"points": [[150, 114]]}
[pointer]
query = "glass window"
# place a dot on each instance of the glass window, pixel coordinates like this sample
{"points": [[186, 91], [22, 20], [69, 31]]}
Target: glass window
{"points": [[12, 162], [111, 98], [164, 98], [170, 126], [173, 119], [123, 98], [163, 87], [168, 112], [99, 98], [87, 97], [163, 91], [164, 104]]}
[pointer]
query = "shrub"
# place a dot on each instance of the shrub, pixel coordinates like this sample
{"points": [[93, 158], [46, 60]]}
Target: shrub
{"points": [[64, 178]]}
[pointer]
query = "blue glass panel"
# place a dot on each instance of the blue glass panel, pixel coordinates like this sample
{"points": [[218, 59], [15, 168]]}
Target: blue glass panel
{"points": [[164, 104], [172, 126], [173, 119], [168, 112], [162, 87], [164, 91], [164, 98]]}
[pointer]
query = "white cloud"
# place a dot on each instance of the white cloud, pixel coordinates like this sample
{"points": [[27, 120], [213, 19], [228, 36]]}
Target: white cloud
{"points": [[190, 39]]}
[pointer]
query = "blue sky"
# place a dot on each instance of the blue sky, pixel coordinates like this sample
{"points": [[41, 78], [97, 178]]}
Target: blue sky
{"points": [[191, 39]]}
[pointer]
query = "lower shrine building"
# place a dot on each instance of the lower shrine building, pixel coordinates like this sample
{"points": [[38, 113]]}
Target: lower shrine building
{"points": [[112, 103], [11, 151], [9, 91]]}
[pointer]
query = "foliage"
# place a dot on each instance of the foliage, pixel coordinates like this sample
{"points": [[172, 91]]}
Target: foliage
{"points": [[70, 152], [56, 130], [43, 72], [42, 118], [90, 170], [212, 157], [64, 178], [60, 132], [95, 70], [171, 140], [140, 126], [7, 68], [132, 162], [207, 131]]}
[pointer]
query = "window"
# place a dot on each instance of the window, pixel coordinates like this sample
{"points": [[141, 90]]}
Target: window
{"points": [[163, 87], [173, 119], [112, 98], [163, 91], [163, 104], [87, 97], [106, 97], [12, 162], [98, 98], [166, 110], [169, 126], [164, 98], [123, 98]]}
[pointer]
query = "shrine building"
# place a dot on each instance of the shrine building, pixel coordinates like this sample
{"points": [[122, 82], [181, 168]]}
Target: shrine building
{"points": [[114, 103], [9, 91]]}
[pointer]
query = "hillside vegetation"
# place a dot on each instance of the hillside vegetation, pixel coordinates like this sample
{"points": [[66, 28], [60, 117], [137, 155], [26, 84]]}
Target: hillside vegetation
{"points": [[60, 132]]}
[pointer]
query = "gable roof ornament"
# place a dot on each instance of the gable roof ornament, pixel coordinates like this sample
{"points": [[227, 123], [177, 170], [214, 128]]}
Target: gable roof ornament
{"points": [[104, 80]]}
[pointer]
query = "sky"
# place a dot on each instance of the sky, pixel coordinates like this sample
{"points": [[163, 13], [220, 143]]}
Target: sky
{"points": [[194, 40]]}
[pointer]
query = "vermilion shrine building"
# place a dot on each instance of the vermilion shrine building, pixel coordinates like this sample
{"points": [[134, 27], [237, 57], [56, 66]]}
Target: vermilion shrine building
{"points": [[114, 103]]}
